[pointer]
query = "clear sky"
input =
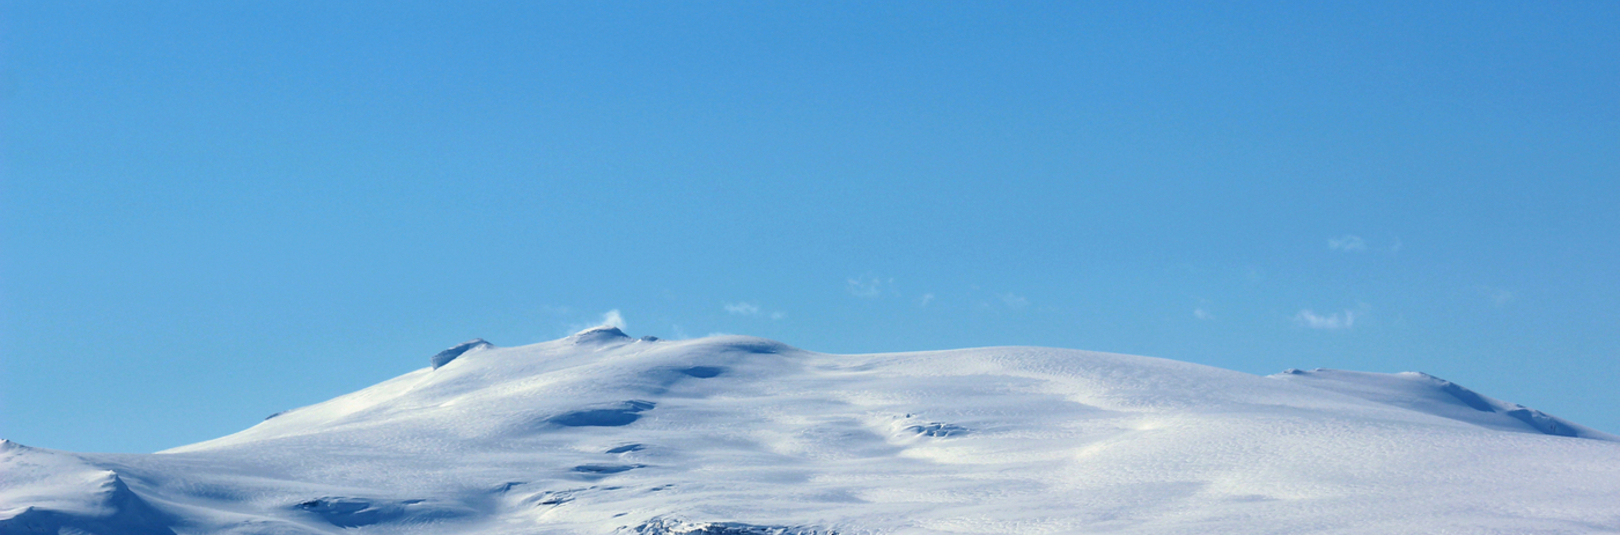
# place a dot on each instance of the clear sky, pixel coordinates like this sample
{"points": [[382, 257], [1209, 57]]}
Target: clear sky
{"points": [[210, 213]]}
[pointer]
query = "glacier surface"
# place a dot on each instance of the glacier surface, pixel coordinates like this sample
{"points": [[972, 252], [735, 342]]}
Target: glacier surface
{"points": [[601, 433]]}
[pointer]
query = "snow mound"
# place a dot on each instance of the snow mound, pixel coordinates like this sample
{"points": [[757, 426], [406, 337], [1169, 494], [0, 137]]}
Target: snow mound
{"points": [[44, 491], [1428, 394], [599, 335], [444, 357], [601, 433]]}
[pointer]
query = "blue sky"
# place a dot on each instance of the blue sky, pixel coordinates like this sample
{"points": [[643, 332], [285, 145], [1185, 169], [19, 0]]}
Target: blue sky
{"points": [[210, 213]]}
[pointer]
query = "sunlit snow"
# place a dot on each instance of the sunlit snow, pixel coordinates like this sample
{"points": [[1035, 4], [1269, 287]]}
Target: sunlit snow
{"points": [[602, 433]]}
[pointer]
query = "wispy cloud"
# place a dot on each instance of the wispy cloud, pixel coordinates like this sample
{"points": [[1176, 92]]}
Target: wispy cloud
{"points": [[1348, 243], [613, 318], [923, 301], [1337, 320], [1498, 296], [742, 309], [870, 286], [1013, 300], [1202, 314]]}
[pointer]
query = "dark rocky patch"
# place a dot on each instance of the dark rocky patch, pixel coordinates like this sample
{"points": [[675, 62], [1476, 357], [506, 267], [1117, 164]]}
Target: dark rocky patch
{"points": [[346, 512], [444, 357], [659, 526], [938, 430]]}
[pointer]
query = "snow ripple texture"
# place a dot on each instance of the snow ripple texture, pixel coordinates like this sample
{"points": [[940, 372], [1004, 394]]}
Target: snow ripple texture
{"points": [[601, 433]]}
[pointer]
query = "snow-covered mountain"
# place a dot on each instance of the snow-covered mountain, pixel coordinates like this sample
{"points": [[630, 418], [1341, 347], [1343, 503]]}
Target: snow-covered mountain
{"points": [[602, 433]]}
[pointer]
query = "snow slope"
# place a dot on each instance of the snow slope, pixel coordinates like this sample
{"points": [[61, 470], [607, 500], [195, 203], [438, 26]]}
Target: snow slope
{"points": [[603, 433]]}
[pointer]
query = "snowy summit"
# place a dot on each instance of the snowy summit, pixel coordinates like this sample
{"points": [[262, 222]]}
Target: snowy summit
{"points": [[602, 433]]}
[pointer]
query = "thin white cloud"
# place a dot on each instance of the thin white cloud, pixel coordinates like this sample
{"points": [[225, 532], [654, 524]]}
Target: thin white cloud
{"points": [[1335, 321], [1202, 314], [925, 300], [869, 286], [1396, 247], [1013, 300], [1498, 296], [1348, 243], [613, 318], [742, 309]]}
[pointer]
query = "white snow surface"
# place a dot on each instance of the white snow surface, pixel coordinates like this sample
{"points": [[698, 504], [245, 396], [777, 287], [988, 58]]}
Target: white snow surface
{"points": [[601, 433]]}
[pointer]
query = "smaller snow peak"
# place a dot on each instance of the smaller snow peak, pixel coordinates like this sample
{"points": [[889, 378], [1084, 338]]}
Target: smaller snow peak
{"points": [[109, 482], [649, 338], [1428, 394], [598, 335], [444, 357], [1468, 397]]}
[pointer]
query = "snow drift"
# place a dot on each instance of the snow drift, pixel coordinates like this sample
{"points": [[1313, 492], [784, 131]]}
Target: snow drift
{"points": [[603, 433]]}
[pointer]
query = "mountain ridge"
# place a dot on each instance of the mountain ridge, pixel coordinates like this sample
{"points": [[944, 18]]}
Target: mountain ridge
{"points": [[599, 432]]}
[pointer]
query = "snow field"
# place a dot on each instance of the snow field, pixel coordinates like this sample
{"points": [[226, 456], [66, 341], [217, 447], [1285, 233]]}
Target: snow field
{"points": [[603, 433]]}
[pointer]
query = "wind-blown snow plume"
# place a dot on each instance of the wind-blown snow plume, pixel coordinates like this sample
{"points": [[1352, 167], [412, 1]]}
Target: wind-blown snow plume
{"points": [[612, 318]]}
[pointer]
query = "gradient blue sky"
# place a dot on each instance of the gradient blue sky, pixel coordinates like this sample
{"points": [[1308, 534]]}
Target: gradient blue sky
{"points": [[211, 213]]}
